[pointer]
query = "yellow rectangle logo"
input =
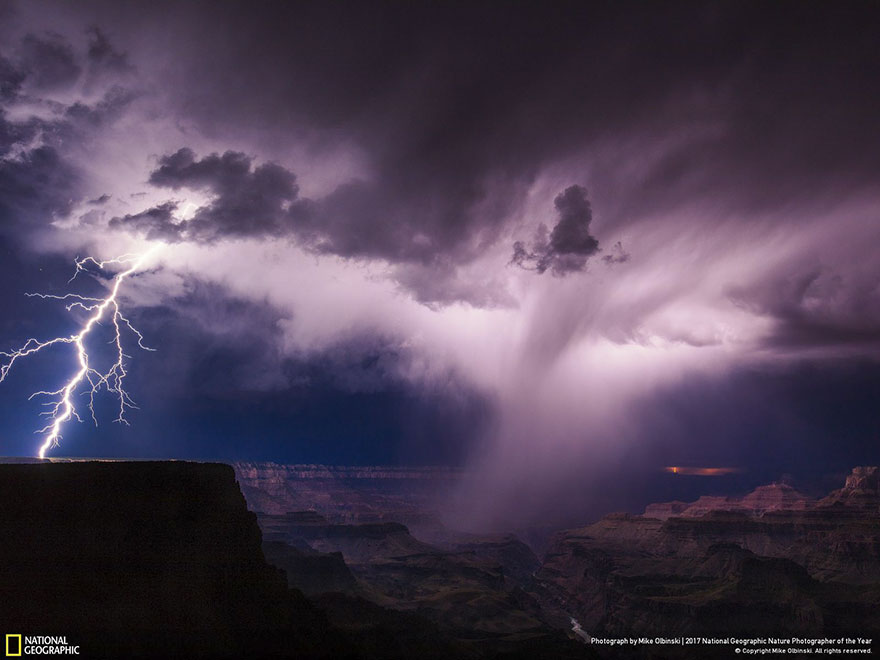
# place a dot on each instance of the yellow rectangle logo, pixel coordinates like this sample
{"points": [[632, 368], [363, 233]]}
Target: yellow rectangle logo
{"points": [[13, 650]]}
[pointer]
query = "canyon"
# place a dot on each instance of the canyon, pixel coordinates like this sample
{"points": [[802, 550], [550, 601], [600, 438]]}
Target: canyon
{"points": [[173, 558], [771, 561]]}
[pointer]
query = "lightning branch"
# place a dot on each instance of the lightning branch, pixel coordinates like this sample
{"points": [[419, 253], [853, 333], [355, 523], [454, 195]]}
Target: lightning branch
{"points": [[86, 381]]}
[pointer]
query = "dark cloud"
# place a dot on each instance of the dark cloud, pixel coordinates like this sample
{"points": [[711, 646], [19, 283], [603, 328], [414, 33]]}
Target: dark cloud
{"points": [[49, 62], [363, 363], [246, 201], [249, 200], [40, 181], [36, 183], [9, 134], [569, 244], [110, 108], [262, 201], [357, 220], [750, 104], [35, 187], [617, 256], [102, 55], [738, 105], [156, 223], [11, 79]]}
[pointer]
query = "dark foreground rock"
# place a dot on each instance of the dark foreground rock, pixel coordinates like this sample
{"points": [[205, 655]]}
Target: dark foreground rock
{"points": [[309, 571], [145, 558]]}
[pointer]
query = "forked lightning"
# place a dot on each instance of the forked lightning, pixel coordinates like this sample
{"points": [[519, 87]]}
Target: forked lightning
{"points": [[61, 407]]}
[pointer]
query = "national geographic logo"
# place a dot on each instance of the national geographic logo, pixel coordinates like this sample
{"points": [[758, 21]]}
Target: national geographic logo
{"points": [[18, 645], [13, 646]]}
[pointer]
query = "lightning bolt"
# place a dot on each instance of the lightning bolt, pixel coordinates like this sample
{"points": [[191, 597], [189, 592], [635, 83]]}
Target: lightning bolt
{"points": [[60, 407]]}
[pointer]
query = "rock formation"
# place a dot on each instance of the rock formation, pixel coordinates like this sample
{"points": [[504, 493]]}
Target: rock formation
{"points": [[773, 497], [343, 493], [772, 562], [861, 491], [468, 588]]}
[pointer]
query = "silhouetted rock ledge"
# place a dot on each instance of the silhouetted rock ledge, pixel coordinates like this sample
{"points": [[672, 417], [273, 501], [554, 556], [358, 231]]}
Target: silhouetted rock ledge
{"points": [[155, 559]]}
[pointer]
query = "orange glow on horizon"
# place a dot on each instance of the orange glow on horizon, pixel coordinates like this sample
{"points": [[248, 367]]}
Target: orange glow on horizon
{"points": [[702, 471]]}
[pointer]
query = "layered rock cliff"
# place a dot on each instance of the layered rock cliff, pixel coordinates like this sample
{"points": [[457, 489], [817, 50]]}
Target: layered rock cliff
{"points": [[324, 524], [773, 561], [861, 491], [470, 588], [773, 497], [835, 538]]}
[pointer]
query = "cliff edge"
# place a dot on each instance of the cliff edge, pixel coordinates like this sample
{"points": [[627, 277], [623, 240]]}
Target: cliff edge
{"points": [[144, 559]]}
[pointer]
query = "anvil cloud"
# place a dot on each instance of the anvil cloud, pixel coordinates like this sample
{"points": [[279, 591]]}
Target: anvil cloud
{"points": [[565, 231]]}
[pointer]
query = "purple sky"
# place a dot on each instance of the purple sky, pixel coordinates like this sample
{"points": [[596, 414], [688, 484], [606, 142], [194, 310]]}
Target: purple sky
{"points": [[559, 244]]}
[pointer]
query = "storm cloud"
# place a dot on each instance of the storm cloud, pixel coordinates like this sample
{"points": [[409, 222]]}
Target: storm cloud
{"points": [[246, 200], [368, 194], [41, 137], [569, 244]]}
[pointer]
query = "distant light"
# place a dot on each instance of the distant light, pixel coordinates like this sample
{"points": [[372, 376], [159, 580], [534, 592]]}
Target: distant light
{"points": [[702, 471]]}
